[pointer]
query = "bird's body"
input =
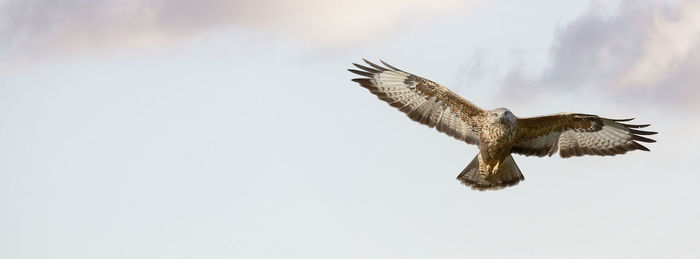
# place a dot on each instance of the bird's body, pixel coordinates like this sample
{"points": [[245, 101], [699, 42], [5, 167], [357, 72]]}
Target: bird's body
{"points": [[498, 133], [496, 138]]}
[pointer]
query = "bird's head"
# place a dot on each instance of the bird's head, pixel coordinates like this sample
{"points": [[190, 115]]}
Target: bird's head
{"points": [[501, 115]]}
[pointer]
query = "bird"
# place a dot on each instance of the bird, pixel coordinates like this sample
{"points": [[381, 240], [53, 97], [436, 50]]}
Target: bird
{"points": [[498, 133]]}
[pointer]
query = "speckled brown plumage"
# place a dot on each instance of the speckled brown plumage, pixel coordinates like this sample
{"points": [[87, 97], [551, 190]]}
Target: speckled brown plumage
{"points": [[498, 132]]}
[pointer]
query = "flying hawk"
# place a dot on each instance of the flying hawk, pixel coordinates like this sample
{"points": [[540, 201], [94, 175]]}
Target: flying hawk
{"points": [[498, 132]]}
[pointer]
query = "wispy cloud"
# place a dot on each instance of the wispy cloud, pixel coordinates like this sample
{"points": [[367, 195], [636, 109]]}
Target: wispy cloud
{"points": [[46, 25], [644, 51]]}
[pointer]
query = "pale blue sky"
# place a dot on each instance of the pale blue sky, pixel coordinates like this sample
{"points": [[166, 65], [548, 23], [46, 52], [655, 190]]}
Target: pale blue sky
{"points": [[244, 137]]}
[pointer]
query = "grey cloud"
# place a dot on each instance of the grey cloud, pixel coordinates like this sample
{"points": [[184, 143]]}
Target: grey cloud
{"points": [[646, 51]]}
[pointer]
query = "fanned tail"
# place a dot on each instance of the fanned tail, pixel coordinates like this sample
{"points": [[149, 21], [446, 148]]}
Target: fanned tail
{"points": [[508, 174]]}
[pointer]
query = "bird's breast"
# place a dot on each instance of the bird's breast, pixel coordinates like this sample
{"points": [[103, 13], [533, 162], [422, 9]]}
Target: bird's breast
{"points": [[496, 140]]}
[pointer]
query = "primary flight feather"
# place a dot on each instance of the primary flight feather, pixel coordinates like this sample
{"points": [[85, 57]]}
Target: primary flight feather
{"points": [[498, 132]]}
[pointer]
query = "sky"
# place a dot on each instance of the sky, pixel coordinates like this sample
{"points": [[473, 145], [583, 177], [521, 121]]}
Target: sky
{"points": [[231, 129]]}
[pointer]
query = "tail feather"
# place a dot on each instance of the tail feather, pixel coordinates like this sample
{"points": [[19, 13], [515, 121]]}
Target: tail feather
{"points": [[508, 174]]}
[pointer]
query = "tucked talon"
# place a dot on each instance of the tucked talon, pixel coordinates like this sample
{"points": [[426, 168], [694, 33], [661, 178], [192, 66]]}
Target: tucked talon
{"points": [[495, 168]]}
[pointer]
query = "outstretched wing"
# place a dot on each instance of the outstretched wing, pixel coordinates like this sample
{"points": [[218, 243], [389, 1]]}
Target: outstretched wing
{"points": [[577, 135], [422, 100]]}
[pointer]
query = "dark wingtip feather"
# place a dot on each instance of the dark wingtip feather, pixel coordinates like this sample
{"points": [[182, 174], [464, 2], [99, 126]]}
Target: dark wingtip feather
{"points": [[362, 73], [642, 132], [361, 80], [389, 66], [640, 146], [635, 126], [621, 120], [371, 70], [364, 82], [375, 65], [643, 139]]}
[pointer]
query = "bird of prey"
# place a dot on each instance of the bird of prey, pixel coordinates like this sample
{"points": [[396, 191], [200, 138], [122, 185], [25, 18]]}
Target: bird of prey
{"points": [[498, 133]]}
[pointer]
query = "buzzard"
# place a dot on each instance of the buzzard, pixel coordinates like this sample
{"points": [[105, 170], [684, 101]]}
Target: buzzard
{"points": [[498, 133]]}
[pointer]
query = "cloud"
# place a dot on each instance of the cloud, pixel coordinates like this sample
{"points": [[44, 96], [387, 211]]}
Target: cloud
{"points": [[645, 51], [28, 26]]}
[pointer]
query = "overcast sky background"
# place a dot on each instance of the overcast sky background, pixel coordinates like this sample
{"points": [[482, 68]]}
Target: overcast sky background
{"points": [[230, 129]]}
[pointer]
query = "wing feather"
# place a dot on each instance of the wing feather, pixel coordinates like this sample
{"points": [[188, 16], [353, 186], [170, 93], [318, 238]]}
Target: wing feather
{"points": [[578, 135], [422, 100]]}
